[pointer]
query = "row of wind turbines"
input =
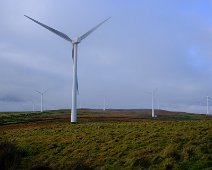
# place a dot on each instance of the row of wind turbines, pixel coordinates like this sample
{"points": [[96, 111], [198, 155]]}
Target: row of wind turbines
{"points": [[75, 42], [155, 103], [41, 93]]}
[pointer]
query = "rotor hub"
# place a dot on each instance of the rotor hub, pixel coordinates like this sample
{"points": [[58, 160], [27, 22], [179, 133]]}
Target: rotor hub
{"points": [[76, 40]]}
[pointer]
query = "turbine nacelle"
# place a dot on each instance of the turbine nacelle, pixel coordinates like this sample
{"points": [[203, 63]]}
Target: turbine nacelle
{"points": [[76, 40]]}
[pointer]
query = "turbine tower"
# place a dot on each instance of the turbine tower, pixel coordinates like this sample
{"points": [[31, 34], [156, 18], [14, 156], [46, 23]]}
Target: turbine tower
{"points": [[74, 42], [153, 97], [104, 104], [33, 106], [153, 101], [207, 100], [207, 103], [41, 99]]}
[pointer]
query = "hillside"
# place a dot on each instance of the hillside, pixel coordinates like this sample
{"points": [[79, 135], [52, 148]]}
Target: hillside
{"points": [[115, 139]]}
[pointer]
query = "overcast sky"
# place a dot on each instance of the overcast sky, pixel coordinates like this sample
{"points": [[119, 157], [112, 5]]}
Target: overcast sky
{"points": [[147, 44]]}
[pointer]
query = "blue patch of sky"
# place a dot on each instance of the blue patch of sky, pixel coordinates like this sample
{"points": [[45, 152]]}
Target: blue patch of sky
{"points": [[195, 59]]}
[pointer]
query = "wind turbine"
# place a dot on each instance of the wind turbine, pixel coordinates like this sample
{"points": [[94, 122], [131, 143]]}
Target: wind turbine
{"points": [[74, 42], [41, 99], [153, 100], [207, 103], [33, 106], [104, 104]]}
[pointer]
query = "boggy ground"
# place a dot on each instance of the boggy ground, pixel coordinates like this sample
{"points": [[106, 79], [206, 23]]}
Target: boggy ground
{"points": [[116, 139]]}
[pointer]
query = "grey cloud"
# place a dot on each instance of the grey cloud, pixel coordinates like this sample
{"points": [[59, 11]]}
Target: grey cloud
{"points": [[146, 45], [11, 98]]}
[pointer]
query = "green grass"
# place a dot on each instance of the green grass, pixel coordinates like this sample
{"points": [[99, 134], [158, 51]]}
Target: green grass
{"points": [[115, 145], [25, 117], [55, 115], [13, 118]]}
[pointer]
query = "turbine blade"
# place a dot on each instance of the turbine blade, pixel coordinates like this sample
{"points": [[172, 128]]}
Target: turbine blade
{"points": [[45, 91], [93, 29], [37, 91], [147, 92], [77, 86], [51, 29], [73, 53]]}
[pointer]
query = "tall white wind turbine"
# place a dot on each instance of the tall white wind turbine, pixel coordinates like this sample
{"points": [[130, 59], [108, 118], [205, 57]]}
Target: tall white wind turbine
{"points": [[74, 43], [41, 99]]}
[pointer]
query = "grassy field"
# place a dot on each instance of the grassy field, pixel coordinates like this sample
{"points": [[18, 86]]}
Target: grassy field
{"points": [[116, 139], [85, 115]]}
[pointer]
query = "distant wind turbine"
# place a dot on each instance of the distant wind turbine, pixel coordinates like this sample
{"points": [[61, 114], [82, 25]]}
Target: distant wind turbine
{"points": [[207, 100], [153, 98], [41, 99], [33, 106], [104, 104], [207, 103], [75, 43], [153, 102]]}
